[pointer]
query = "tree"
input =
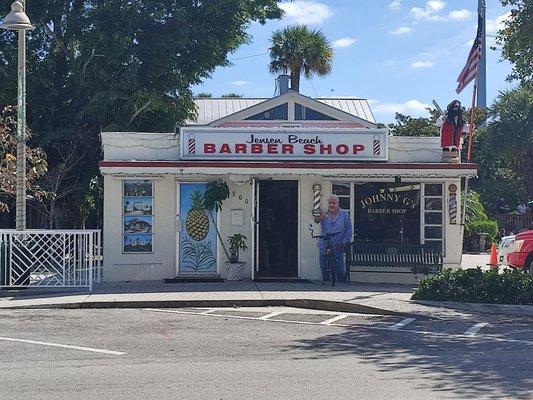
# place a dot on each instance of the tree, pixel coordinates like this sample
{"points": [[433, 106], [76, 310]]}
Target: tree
{"points": [[117, 65], [515, 39], [408, 126], [504, 148], [36, 165], [231, 95], [295, 49]]}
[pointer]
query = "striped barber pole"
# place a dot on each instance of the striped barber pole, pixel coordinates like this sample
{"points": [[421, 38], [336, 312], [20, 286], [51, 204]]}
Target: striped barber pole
{"points": [[192, 144], [452, 203], [377, 146], [317, 188]]}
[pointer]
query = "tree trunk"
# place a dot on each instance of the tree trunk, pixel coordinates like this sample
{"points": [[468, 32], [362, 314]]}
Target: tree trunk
{"points": [[295, 80], [51, 218], [218, 234], [528, 172]]}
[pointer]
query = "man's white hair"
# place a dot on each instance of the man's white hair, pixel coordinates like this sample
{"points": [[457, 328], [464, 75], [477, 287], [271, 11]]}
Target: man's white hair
{"points": [[333, 196]]}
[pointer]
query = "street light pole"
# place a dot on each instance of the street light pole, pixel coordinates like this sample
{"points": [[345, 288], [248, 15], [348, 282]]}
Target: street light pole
{"points": [[18, 20], [21, 133]]}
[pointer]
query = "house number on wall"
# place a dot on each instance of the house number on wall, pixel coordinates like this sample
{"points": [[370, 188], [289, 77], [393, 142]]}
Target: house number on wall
{"points": [[234, 194]]}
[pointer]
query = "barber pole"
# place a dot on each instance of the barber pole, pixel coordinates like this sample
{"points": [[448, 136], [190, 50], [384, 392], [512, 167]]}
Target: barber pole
{"points": [[452, 203], [192, 144], [317, 188], [376, 145]]}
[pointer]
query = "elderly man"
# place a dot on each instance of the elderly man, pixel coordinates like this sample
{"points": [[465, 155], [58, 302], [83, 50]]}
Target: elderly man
{"points": [[333, 221]]}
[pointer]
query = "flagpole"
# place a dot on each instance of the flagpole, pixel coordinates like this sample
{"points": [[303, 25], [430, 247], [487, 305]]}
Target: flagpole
{"points": [[471, 124]]}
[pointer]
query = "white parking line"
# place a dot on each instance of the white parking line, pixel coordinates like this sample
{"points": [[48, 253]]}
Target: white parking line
{"points": [[272, 314], [334, 319], [475, 329], [65, 346], [351, 326], [401, 324], [207, 312]]}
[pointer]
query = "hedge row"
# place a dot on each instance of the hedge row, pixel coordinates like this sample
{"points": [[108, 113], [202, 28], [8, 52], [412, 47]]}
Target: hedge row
{"points": [[477, 286]]}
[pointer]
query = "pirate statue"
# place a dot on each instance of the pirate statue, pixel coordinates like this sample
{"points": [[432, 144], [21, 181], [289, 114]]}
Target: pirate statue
{"points": [[452, 126]]}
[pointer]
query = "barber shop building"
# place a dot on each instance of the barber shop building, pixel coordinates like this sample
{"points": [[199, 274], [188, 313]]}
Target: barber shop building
{"points": [[280, 157]]}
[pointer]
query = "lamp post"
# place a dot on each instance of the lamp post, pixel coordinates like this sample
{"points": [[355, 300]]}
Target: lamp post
{"points": [[18, 20]]}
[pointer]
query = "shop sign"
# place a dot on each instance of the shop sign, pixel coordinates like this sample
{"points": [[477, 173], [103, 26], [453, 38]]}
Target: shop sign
{"points": [[387, 203], [283, 144]]}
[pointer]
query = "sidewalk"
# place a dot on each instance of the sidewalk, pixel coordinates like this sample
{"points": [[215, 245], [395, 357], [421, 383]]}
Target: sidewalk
{"points": [[358, 298]]}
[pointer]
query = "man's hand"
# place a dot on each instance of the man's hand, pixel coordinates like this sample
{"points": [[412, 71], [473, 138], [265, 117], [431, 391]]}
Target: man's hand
{"points": [[320, 217]]}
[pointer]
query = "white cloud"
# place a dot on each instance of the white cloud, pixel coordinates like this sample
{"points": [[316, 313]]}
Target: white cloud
{"points": [[395, 4], [344, 42], [431, 12], [390, 63], [459, 15], [422, 64], [306, 12], [413, 107], [239, 83], [402, 30], [494, 25]]}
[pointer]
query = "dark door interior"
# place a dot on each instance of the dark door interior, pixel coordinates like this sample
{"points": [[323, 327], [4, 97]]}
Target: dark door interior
{"points": [[278, 229]]}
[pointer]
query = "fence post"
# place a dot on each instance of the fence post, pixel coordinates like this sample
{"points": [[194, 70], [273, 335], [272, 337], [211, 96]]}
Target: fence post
{"points": [[91, 251]]}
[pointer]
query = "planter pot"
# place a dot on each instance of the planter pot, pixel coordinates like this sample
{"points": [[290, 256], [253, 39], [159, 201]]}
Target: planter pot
{"points": [[235, 271]]}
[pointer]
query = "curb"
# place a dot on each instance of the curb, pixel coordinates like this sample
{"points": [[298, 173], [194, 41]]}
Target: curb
{"points": [[499, 309], [323, 305]]}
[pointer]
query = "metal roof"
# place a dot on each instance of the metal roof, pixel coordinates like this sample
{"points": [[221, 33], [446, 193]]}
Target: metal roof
{"points": [[212, 108]]}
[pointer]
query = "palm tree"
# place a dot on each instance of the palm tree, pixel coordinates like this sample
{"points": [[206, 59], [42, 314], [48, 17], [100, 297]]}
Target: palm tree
{"points": [[297, 48]]}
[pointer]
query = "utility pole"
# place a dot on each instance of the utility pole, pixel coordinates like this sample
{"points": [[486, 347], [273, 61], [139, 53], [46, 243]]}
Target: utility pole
{"points": [[482, 66]]}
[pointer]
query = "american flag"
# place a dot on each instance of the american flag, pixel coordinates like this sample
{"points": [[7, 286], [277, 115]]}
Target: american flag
{"points": [[470, 69]]}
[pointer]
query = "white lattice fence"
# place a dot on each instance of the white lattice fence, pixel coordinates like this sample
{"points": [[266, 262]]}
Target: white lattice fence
{"points": [[58, 258]]}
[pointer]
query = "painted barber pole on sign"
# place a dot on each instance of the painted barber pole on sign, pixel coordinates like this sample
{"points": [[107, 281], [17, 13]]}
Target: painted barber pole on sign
{"points": [[192, 144], [376, 145], [263, 144]]}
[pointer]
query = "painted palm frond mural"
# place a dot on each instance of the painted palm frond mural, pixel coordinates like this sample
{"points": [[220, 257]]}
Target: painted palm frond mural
{"points": [[196, 256], [198, 236]]}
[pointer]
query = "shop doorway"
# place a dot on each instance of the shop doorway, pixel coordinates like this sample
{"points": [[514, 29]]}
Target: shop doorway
{"points": [[277, 229]]}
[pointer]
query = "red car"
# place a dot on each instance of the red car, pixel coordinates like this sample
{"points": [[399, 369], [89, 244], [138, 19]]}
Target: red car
{"points": [[522, 255]]}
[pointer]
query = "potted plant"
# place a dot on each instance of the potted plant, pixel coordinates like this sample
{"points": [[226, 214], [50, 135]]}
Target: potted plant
{"points": [[235, 268]]}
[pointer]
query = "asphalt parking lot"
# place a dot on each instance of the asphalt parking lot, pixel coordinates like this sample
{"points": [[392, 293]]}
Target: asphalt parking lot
{"points": [[260, 353]]}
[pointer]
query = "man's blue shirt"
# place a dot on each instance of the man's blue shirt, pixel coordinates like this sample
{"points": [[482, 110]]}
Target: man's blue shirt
{"points": [[332, 225]]}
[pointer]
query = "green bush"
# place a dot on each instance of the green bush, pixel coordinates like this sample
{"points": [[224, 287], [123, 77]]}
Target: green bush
{"points": [[477, 286], [488, 226], [477, 221]]}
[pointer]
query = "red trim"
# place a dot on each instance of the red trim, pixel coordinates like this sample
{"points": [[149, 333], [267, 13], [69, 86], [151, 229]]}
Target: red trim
{"points": [[282, 164]]}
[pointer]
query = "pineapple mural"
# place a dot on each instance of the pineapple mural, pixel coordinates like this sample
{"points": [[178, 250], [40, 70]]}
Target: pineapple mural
{"points": [[197, 222], [197, 239]]}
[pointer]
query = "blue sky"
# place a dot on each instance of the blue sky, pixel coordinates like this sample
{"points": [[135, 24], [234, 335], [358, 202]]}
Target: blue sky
{"points": [[399, 54]]}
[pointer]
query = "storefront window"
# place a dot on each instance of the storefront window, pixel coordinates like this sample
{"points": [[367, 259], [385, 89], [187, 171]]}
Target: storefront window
{"points": [[137, 216], [387, 212], [344, 192], [433, 214]]}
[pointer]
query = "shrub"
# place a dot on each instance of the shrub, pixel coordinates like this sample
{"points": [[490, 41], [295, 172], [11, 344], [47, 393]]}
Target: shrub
{"points": [[477, 286], [477, 221]]}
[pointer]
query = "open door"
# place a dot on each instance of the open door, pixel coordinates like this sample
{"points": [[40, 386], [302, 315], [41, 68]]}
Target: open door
{"points": [[276, 229]]}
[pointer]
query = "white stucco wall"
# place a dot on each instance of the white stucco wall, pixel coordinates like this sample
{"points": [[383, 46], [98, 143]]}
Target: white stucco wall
{"points": [[162, 262], [138, 146], [157, 265]]}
